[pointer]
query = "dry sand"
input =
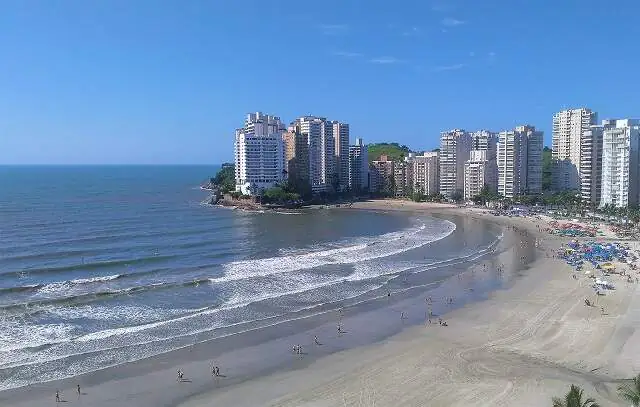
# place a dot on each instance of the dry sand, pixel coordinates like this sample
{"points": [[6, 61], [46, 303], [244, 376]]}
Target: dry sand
{"points": [[523, 345]]}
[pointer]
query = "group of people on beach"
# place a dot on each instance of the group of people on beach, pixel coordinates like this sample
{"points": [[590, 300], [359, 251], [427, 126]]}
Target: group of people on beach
{"points": [[59, 399]]}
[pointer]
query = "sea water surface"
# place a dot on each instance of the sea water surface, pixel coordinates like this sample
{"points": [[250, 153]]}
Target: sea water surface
{"points": [[104, 265]]}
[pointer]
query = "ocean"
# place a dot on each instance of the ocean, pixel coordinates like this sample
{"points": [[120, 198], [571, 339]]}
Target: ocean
{"points": [[103, 265]]}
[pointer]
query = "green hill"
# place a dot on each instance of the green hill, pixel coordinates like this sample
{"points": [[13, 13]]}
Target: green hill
{"points": [[394, 151]]}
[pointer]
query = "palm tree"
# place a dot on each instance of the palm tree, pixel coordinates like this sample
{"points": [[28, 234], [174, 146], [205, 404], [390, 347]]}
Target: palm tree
{"points": [[631, 392], [574, 399]]}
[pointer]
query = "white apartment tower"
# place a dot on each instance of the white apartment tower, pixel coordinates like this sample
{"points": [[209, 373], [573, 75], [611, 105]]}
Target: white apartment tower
{"points": [[321, 151], [520, 162], [568, 127], [620, 162], [426, 172], [455, 146], [486, 141], [478, 172], [341, 137], [259, 154], [358, 167]]}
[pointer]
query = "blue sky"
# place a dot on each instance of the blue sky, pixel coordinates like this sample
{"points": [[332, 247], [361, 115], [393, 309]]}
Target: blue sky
{"points": [[158, 81]]}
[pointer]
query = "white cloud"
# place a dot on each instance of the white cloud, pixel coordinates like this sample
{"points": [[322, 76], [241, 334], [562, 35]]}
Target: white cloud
{"points": [[472, 54], [384, 60], [492, 54], [454, 67], [333, 29], [452, 22]]}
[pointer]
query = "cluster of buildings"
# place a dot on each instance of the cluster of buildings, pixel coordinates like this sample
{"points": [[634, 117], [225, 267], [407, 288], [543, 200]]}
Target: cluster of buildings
{"points": [[601, 161], [508, 163], [314, 154]]}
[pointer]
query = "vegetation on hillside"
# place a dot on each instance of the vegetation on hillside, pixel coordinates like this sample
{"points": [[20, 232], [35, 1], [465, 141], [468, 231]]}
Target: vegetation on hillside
{"points": [[546, 169], [394, 151], [225, 179]]}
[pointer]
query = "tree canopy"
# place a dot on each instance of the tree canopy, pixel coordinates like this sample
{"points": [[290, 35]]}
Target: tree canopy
{"points": [[394, 151], [225, 178]]}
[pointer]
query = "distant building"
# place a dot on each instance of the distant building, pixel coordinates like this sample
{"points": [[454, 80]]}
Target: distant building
{"points": [[455, 146], [403, 177], [426, 171], [341, 149], [520, 162], [478, 173], [568, 127], [381, 176], [296, 147], [321, 142], [358, 167], [620, 163], [259, 154], [591, 165]]}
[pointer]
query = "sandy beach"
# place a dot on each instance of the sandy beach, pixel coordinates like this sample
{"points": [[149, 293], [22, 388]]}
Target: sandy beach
{"points": [[527, 342]]}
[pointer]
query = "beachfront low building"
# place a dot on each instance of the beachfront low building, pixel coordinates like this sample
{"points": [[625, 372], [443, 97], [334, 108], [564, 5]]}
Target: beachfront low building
{"points": [[620, 163], [259, 154]]}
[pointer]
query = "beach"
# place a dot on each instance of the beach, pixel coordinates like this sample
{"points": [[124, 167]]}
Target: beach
{"points": [[527, 342]]}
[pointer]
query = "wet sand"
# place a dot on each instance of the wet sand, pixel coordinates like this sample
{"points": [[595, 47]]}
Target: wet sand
{"points": [[525, 343]]}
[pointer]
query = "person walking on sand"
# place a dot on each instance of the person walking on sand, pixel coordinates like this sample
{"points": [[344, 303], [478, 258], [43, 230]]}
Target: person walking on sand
{"points": [[79, 391], [315, 340], [57, 396]]}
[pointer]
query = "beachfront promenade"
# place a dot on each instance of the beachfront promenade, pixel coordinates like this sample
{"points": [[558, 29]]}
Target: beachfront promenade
{"points": [[528, 343]]}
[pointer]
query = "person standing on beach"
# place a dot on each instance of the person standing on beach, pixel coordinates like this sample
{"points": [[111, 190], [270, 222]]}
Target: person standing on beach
{"points": [[57, 396], [79, 391]]}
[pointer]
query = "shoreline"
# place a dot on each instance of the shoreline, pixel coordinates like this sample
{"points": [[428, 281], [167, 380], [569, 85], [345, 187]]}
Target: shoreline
{"points": [[140, 380]]}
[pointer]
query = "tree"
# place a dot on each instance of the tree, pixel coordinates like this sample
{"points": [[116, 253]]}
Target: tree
{"points": [[574, 399], [457, 196], [631, 392], [225, 179]]}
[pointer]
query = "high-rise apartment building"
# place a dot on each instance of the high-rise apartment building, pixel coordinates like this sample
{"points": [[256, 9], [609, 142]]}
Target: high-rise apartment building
{"points": [[259, 154], [535, 145], [426, 172], [296, 159], [591, 164], [484, 140], [519, 161], [568, 127], [620, 163], [341, 137], [358, 167], [479, 172], [455, 146], [403, 177], [381, 174], [319, 132]]}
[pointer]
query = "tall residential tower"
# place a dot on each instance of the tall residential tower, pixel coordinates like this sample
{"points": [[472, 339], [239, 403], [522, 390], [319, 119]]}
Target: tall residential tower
{"points": [[568, 127], [259, 154]]}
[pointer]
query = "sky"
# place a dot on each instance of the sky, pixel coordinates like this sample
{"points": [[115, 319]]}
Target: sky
{"points": [[167, 82]]}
